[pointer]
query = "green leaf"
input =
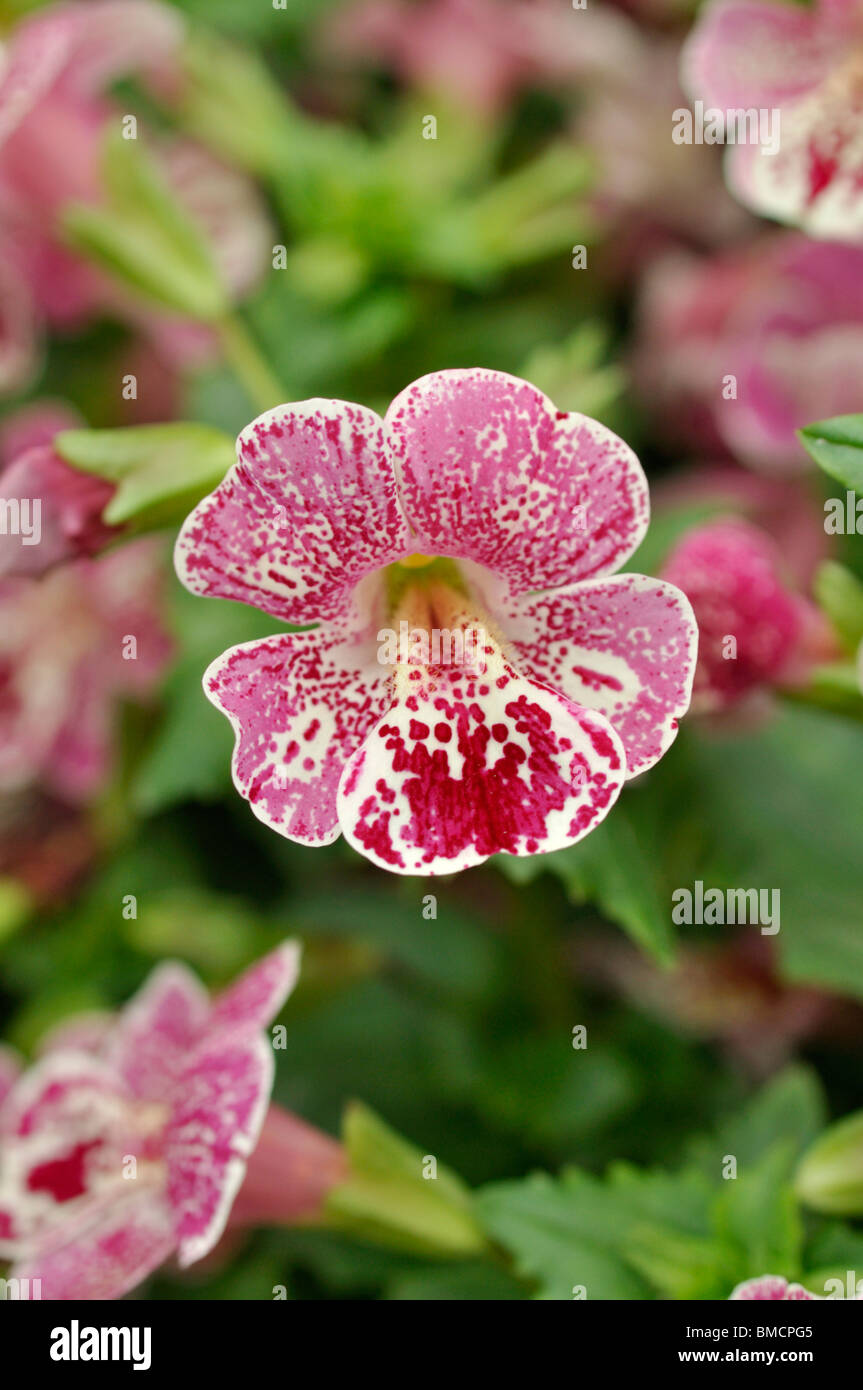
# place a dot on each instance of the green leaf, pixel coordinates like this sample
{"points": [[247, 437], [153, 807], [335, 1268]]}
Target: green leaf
{"points": [[469, 1281], [616, 867], [757, 1214], [830, 1176], [161, 471], [759, 796], [837, 447], [787, 1112], [388, 1198], [562, 1234], [840, 594]]}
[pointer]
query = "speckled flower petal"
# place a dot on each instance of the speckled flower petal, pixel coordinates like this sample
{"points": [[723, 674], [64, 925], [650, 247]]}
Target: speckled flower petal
{"points": [[213, 1128], [258, 995], [489, 471], [464, 766], [64, 1132], [308, 510], [815, 178], [623, 646], [772, 1288], [758, 53], [157, 1029], [300, 705], [104, 1252]]}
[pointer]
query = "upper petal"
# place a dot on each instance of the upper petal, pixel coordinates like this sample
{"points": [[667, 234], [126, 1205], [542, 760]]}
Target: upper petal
{"points": [[489, 471], [755, 53], [464, 766], [214, 1127], [157, 1029], [307, 511], [300, 705], [258, 995], [625, 646]]}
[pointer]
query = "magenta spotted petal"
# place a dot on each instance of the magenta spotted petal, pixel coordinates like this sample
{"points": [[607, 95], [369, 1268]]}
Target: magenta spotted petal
{"points": [[815, 178], [759, 53], [156, 1031], [624, 647], [64, 1132], [489, 471], [771, 1288], [465, 766], [300, 705], [308, 510], [255, 999], [102, 1252], [214, 1126]]}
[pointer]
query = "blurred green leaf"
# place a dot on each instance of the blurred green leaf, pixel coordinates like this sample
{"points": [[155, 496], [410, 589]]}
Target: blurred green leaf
{"points": [[399, 1195], [161, 471], [144, 238], [840, 594]]}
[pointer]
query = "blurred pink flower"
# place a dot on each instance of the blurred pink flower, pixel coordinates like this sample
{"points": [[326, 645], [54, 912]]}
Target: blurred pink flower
{"points": [[790, 510], [737, 351], [53, 118], [129, 1141], [33, 475], [771, 1287], [71, 643], [806, 65], [647, 187], [731, 995], [753, 629], [477, 53], [430, 764]]}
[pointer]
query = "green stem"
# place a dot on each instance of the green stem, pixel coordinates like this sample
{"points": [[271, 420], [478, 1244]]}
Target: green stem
{"points": [[250, 368]]}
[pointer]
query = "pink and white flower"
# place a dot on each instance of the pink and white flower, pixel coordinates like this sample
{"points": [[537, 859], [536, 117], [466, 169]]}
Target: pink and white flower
{"points": [[472, 506], [771, 1288], [806, 64], [755, 630], [130, 1138], [71, 644]]}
